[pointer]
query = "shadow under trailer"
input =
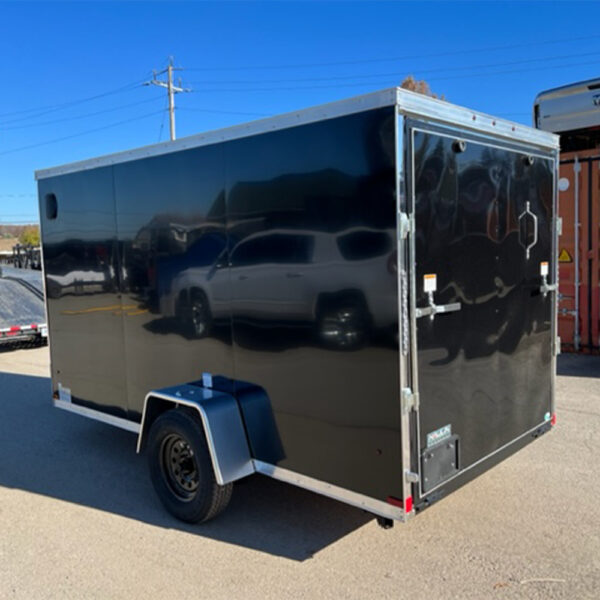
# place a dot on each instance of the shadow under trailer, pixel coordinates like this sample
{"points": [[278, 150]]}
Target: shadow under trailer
{"points": [[357, 298]]}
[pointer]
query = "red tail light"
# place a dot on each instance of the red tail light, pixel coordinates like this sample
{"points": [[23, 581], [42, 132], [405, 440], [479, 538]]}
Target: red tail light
{"points": [[408, 505], [553, 420]]}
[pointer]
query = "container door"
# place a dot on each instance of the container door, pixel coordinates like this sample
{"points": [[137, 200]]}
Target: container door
{"points": [[483, 298], [579, 252]]}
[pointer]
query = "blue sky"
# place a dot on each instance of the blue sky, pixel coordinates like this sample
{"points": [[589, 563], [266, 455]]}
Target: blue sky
{"points": [[248, 59]]}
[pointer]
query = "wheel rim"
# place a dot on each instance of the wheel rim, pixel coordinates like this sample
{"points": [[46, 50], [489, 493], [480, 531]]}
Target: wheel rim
{"points": [[179, 467], [342, 327], [199, 317]]}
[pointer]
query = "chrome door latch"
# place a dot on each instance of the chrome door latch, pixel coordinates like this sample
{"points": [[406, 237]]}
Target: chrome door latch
{"points": [[434, 309], [546, 287]]}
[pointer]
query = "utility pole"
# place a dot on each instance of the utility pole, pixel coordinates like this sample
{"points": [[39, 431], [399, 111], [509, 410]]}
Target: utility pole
{"points": [[171, 90]]}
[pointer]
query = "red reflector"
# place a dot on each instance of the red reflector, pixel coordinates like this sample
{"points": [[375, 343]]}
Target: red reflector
{"points": [[553, 420], [34, 326], [408, 506], [394, 501], [15, 328]]}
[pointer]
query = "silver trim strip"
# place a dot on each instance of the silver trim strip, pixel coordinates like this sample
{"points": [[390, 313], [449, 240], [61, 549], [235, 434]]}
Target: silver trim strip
{"points": [[409, 103], [97, 415], [377, 507], [414, 351], [419, 106], [482, 142], [302, 117], [401, 268]]}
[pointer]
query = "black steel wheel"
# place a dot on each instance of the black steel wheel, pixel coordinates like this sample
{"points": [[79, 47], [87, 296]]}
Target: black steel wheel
{"points": [[181, 468]]}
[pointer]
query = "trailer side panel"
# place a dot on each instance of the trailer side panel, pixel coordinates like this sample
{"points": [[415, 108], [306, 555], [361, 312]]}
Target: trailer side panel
{"points": [[81, 270], [312, 223]]}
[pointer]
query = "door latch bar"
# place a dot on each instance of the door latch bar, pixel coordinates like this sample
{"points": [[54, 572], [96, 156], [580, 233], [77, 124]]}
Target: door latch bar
{"points": [[547, 287], [434, 309]]}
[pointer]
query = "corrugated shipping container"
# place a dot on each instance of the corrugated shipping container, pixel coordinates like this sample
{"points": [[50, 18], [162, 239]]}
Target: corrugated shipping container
{"points": [[579, 251]]}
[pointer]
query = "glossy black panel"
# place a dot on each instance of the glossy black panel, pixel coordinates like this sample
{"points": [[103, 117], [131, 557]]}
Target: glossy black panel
{"points": [[268, 262], [486, 369], [172, 235], [81, 266], [311, 220]]}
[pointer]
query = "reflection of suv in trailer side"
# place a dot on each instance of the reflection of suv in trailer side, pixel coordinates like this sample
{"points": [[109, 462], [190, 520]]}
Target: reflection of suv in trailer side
{"points": [[331, 280]]}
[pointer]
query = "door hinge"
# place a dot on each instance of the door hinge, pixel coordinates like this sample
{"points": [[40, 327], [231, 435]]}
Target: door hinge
{"points": [[410, 401], [411, 476], [406, 225]]}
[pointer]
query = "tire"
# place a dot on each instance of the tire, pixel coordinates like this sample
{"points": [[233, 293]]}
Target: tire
{"points": [[195, 315], [181, 468]]}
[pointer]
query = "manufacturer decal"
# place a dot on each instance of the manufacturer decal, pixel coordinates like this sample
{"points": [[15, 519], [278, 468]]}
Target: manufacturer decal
{"points": [[437, 436], [564, 256]]}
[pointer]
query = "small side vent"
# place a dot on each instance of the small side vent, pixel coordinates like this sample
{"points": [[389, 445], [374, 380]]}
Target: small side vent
{"points": [[51, 206]]}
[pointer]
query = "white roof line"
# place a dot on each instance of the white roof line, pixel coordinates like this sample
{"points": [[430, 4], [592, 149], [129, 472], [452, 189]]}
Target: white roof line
{"points": [[408, 103]]}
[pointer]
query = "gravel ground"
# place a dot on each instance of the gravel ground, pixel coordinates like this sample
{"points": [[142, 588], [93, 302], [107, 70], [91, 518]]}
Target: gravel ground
{"points": [[79, 518]]}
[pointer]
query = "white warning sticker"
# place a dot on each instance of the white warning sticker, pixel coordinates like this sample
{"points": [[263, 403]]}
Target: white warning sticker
{"points": [[543, 269], [430, 282]]}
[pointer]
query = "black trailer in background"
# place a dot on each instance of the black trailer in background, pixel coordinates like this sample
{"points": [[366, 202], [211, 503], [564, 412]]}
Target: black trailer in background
{"points": [[358, 298]]}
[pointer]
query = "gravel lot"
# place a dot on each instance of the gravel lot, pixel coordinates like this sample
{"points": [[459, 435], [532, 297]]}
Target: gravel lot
{"points": [[80, 520]]}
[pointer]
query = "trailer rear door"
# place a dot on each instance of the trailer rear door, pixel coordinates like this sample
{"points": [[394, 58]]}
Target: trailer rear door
{"points": [[482, 322]]}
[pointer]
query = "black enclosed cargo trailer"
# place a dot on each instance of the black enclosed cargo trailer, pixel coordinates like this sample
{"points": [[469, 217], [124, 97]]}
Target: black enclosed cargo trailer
{"points": [[357, 298]]}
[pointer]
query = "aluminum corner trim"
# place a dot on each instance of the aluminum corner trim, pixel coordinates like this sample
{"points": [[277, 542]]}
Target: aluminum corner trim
{"points": [[419, 106]]}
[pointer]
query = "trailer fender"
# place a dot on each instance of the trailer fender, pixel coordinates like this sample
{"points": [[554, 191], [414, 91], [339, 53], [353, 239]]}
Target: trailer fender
{"points": [[222, 422]]}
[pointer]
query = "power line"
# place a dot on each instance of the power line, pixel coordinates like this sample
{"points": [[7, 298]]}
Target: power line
{"points": [[391, 59], [389, 83], [225, 112], [43, 110], [395, 73], [92, 114], [68, 137], [162, 123]]}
